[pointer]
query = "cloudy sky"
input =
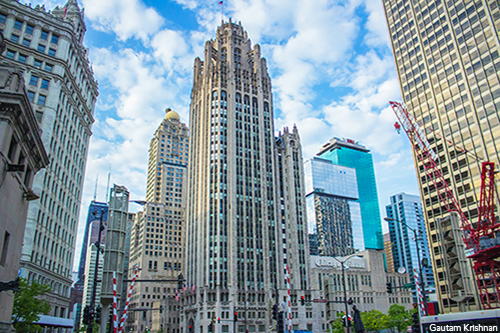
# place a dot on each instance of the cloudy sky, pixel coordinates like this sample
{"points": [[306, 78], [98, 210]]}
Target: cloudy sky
{"points": [[330, 62]]}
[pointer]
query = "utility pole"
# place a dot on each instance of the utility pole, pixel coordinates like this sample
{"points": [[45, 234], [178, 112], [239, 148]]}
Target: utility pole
{"points": [[90, 328]]}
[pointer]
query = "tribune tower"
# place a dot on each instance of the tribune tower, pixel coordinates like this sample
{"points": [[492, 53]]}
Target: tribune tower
{"points": [[246, 207]]}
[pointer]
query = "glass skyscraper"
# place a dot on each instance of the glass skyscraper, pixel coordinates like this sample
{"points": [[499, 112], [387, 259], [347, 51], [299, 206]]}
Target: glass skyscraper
{"points": [[447, 58], [348, 153], [333, 213], [407, 209]]}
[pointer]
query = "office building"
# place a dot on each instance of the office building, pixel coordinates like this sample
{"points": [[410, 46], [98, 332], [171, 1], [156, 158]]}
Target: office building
{"points": [[48, 47], [366, 281], [168, 155], [246, 216], [88, 286], [91, 232], [388, 253], [404, 214], [348, 153], [156, 241], [446, 56], [22, 155], [90, 236], [333, 213]]}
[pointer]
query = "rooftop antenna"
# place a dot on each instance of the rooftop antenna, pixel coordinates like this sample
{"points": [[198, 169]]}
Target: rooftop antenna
{"points": [[95, 190], [107, 187]]}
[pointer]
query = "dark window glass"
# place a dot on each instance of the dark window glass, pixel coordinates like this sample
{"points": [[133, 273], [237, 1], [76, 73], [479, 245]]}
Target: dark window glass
{"points": [[33, 80], [44, 35], [26, 42], [10, 54], [37, 63], [55, 39], [45, 84], [18, 25], [31, 96], [22, 58], [14, 38], [41, 100], [29, 29], [52, 52], [48, 68], [3, 18], [41, 48]]}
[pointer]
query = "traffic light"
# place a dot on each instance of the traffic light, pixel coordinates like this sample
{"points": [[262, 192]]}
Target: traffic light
{"points": [[86, 315], [180, 282], [190, 329], [279, 323], [97, 315], [389, 287], [275, 311], [235, 316], [415, 328], [218, 320], [347, 321], [302, 300]]}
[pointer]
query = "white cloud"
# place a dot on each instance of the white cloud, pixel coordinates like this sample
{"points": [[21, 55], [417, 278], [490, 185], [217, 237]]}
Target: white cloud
{"points": [[126, 18], [169, 47]]}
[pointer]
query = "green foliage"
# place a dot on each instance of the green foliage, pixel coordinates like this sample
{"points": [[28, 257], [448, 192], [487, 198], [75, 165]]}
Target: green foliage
{"points": [[374, 320], [399, 318], [336, 326], [28, 307]]}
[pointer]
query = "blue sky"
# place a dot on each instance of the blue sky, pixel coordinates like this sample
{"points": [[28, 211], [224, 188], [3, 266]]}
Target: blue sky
{"points": [[330, 63]]}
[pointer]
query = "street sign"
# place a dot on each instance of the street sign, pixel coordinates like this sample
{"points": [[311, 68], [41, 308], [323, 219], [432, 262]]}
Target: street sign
{"points": [[408, 285], [319, 300]]}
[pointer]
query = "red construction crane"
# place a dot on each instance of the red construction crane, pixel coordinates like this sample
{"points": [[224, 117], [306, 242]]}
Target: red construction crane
{"points": [[483, 239]]}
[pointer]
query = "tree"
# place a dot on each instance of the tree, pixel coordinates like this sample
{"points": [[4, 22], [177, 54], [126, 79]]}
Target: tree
{"points": [[28, 307], [374, 320], [398, 317]]}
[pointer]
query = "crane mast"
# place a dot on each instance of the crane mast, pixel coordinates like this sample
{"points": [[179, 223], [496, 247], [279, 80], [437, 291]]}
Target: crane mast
{"points": [[482, 239]]}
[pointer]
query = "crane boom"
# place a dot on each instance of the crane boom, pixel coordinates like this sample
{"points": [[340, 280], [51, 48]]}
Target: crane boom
{"points": [[429, 160], [483, 240]]}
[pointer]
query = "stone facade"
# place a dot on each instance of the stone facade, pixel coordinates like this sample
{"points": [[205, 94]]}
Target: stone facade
{"points": [[61, 85], [245, 216], [20, 144], [366, 280]]}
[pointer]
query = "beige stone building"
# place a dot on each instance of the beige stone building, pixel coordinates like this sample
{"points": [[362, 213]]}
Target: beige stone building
{"points": [[22, 155], [156, 241], [366, 284], [48, 46], [447, 58], [245, 216]]}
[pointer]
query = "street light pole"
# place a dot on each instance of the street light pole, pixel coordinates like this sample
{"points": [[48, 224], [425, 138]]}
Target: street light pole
{"points": [[344, 285], [345, 296], [90, 328], [422, 282]]}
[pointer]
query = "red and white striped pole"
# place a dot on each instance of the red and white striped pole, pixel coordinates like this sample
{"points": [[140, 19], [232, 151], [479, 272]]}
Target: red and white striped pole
{"points": [[115, 319], [124, 316], [289, 300], [421, 307]]}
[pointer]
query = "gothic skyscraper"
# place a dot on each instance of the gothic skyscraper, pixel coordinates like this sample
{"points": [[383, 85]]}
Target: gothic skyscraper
{"points": [[246, 224]]}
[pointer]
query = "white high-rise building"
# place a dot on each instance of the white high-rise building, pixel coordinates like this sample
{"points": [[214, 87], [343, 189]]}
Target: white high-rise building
{"points": [[48, 46], [246, 216]]}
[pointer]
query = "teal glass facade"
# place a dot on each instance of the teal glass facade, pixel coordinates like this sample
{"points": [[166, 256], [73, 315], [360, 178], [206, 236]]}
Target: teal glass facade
{"points": [[349, 154]]}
